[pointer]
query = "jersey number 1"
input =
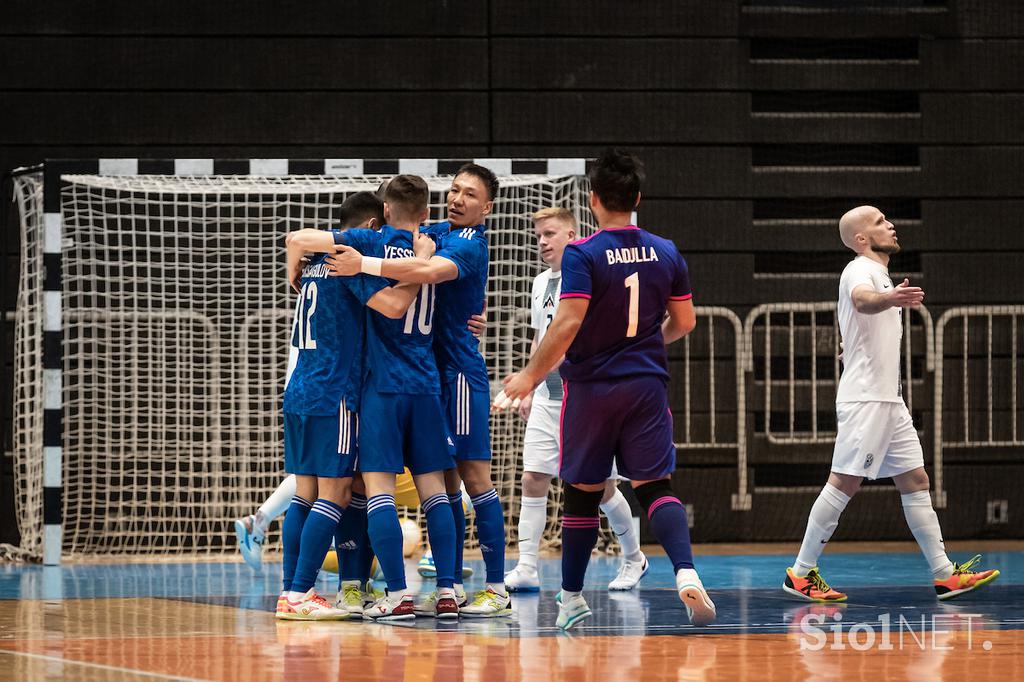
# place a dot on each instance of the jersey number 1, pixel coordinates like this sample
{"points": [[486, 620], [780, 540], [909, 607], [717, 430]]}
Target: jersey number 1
{"points": [[633, 284], [304, 320]]}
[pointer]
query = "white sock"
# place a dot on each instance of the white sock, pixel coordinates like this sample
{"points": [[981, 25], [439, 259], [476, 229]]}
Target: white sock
{"points": [[620, 518], [567, 595], [497, 588], [821, 524], [279, 500], [924, 524], [296, 596], [533, 516]]}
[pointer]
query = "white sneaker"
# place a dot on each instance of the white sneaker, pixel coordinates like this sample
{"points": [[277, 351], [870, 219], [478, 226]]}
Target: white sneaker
{"points": [[350, 599], [630, 574], [250, 541], [572, 611], [488, 604], [522, 578], [391, 607], [311, 606], [699, 606]]}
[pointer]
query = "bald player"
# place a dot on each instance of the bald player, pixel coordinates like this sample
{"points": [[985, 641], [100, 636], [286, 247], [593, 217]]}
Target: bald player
{"points": [[875, 435]]}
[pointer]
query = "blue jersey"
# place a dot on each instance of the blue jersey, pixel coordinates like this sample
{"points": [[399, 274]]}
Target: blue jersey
{"points": [[456, 349], [399, 352], [629, 275], [329, 331]]}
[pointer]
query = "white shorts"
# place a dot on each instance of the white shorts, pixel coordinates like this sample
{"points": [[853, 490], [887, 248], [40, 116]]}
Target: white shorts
{"points": [[540, 444], [876, 440]]}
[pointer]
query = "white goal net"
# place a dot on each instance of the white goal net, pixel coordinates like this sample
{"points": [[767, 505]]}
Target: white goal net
{"points": [[176, 324]]}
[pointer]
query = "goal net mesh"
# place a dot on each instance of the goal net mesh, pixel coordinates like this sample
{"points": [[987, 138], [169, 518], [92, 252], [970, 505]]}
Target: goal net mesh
{"points": [[176, 326]]}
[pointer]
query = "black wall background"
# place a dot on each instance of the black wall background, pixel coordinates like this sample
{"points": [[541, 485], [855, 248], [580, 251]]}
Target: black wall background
{"points": [[760, 124]]}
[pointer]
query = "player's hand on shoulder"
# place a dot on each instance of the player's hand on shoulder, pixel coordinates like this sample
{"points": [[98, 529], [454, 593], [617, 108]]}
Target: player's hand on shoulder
{"points": [[346, 262], [905, 296], [422, 245]]}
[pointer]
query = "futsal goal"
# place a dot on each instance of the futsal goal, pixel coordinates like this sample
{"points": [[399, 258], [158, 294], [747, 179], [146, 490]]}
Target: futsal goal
{"points": [[152, 332]]}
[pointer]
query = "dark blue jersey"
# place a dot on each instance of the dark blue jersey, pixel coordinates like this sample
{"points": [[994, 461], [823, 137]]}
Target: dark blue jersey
{"points": [[629, 275], [399, 352], [456, 349], [329, 332]]}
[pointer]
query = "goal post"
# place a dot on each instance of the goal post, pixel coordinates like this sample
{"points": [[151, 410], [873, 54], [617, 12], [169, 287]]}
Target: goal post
{"points": [[152, 332]]}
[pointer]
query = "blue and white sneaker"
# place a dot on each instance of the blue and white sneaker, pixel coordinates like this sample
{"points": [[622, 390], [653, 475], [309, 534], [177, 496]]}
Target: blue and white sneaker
{"points": [[573, 611], [250, 540], [427, 569]]}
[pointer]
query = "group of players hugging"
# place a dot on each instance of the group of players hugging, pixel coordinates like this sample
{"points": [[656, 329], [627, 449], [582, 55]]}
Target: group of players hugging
{"points": [[392, 404]]}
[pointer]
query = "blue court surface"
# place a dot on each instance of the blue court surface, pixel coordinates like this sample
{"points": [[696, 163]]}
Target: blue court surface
{"points": [[745, 589]]}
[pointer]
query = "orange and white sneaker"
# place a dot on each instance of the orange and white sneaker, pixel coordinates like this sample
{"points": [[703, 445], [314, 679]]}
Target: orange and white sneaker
{"points": [[283, 611], [964, 579], [812, 587], [311, 606]]}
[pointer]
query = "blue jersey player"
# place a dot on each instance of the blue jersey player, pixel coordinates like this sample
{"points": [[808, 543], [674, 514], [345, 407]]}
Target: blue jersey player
{"points": [[402, 424], [320, 405], [617, 286], [459, 270]]}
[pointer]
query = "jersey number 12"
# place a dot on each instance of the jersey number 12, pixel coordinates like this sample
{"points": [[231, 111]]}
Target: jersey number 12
{"points": [[304, 316]]}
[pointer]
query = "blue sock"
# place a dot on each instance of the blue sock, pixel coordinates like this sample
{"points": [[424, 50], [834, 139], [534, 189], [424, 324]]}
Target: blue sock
{"points": [[579, 535], [351, 534], [669, 525], [386, 538], [291, 536], [441, 535], [490, 530], [459, 514], [317, 533]]}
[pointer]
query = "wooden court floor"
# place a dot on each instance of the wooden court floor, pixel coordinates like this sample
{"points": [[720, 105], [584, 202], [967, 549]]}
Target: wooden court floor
{"points": [[213, 621]]}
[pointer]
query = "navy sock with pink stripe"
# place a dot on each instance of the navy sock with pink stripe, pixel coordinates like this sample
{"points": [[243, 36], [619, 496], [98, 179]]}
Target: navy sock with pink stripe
{"points": [[580, 524], [668, 521]]}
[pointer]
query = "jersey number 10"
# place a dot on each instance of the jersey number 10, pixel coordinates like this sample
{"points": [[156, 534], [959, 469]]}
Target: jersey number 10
{"points": [[424, 303], [304, 316]]}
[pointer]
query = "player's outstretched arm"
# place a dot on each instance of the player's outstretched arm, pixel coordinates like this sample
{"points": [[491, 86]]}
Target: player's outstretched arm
{"points": [[681, 320], [868, 301], [309, 240], [437, 269], [552, 348], [394, 301]]}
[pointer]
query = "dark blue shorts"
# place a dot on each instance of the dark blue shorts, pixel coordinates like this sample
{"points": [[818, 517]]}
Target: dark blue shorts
{"points": [[323, 446], [626, 421], [398, 430], [468, 413]]}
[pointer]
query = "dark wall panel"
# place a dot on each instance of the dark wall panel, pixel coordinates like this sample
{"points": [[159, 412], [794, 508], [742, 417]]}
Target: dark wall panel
{"points": [[676, 171], [241, 63], [789, 20], [972, 171], [966, 224], [618, 64], [612, 18], [974, 277], [620, 118], [697, 226], [973, 118], [224, 119], [990, 18], [836, 127], [238, 17], [833, 75], [978, 65]]}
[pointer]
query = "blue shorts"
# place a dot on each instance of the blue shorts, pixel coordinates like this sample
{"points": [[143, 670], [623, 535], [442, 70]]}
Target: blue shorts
{"points": [[321, 446], [398, 430], [626, 421], [468, 411]]}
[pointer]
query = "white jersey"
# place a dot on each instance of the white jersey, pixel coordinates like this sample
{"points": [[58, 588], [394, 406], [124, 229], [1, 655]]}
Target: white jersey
{"points": [[546, 288], [871, 343]]}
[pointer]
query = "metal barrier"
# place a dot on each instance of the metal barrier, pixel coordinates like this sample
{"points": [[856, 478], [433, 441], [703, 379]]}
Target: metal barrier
{"points": [[741, 499], [989, 439], [824, 340]]}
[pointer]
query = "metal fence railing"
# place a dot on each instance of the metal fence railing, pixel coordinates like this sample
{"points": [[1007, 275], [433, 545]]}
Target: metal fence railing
{"points": [[988, 359]]}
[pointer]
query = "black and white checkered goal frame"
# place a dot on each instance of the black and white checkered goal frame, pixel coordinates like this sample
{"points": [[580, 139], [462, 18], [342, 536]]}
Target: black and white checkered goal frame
{"points": [[153, 325]]}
